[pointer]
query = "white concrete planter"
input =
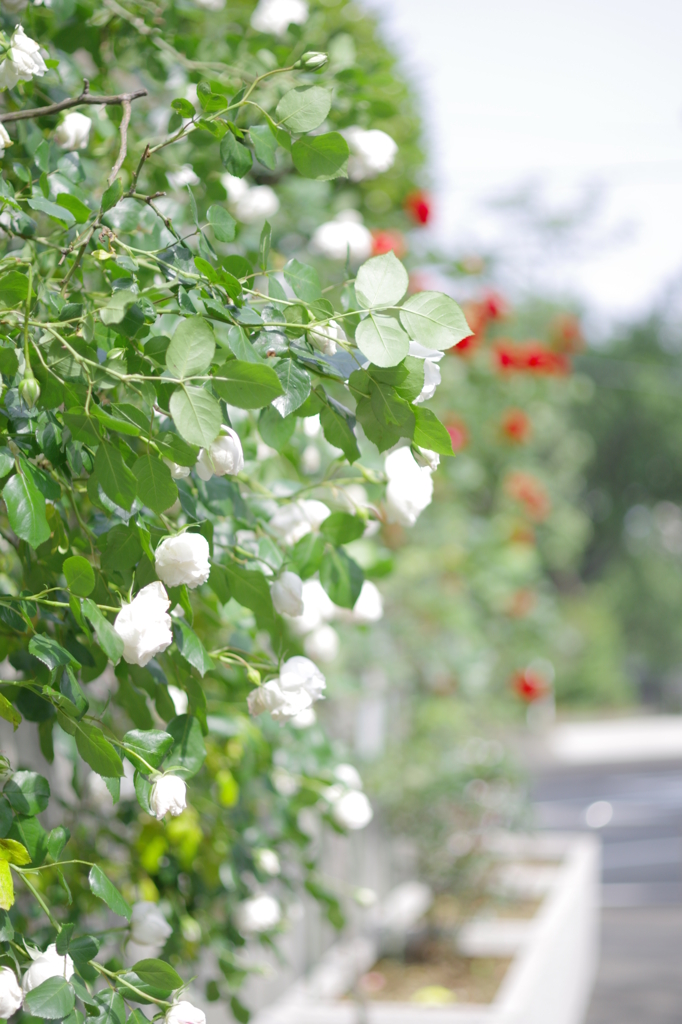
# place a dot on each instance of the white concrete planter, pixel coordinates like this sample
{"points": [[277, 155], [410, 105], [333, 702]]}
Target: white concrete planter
{"points": [[554, 954]]}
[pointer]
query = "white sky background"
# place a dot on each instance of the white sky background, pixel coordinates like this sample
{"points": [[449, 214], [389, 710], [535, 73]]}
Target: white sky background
{"points": [[566, 96]]}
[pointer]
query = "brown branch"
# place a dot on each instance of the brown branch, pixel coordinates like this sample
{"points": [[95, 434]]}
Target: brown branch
{"points": [[85, 98], [125, 121]]}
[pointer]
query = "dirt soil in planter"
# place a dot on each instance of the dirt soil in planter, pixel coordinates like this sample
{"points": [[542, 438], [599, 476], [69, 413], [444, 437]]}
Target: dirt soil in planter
{"points": [[438, 968]]}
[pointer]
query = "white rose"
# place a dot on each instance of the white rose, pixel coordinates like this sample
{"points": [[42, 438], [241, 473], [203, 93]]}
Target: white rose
{"points": [[49, 965], [352, 810], [322, 644], [148, 926], [295, 520], [11, 996], [258, 203], [371, 152], [318, 608], [425, 457], [23, 60], [259, 914], [185, 175], [211, 5], [281, 706], [184, 1013], [74, 131], [299, 674], [144, 625], [432, 377], [410, 487], [324, 338], [223, 458], [348, 776], [275, 16], [179, 698], [5, 140], [286, 593], [176, 471], [168, 796], [304, 719], [344, 235], [268, 862], [183, 559]]}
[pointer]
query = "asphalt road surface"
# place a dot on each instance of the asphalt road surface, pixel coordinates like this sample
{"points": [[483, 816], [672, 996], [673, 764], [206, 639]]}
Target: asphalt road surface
{"points": [[637, 810]]}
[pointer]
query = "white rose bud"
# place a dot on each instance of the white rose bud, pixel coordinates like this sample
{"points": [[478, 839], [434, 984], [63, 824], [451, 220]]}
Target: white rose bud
{"points": [[268, 862], [22, 62], [259, 914], [223, 458], [144, 625], [281, 706], [287, 594], [275, 16], [300, 675], [49, 965], [148, 926], [5, 140], [312, 60], [184, 1013], [11, 996], [176, 471], [74, 131], [325, 337], [168, 796], [347, 775], [183, 559], [425, 458], [352, 810], [345, 235]]}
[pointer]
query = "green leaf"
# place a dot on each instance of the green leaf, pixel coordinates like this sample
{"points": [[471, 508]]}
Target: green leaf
{"points": [[177, 450], [121, 548], [321, 156], [241, 347], [191, 647], [98, 752], [382, 340], [295, 384], [223, 223], [57, 840], [28, 793], [107, 637], [9, 712], [341, 577], [430, 433], [237, 158], [248, 385], [264, 145], [183, 107], [303, 110], [31, 834], [52, 210], [82, 949], [13, 288], [52, 1000], [306, 555], [239, 1011], [303, 280], [108, 893], [112, 195], [188, 751], [49, 652], [264, 246], [151, 745], [158, 974], [384, 415], [191, 349], [26, 510], [342, 528], [80, 576], [111, 473], [14, 852], [121, 426], [381, 281], [338, 431], [275, 429], [6, 886], [79, 210], [155, 486], [82, 426], [251, 590], [434, 320], [9, 364], [196, 415]]}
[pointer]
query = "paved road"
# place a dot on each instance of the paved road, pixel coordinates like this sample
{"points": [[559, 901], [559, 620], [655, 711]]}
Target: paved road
{"points": [[639, 811]]}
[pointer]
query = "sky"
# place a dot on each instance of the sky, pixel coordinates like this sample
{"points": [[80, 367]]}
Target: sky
{"points": [[575, 103]]}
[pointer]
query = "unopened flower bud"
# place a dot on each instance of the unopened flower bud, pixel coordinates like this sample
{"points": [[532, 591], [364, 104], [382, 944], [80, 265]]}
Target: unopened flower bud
{"points": [[312, 60], [29, 390], [253, 675]]}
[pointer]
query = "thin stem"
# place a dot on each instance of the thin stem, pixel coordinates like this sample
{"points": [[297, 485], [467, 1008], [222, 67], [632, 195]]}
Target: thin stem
{"points": [[127, 110], [85, 98], [53, 921]]}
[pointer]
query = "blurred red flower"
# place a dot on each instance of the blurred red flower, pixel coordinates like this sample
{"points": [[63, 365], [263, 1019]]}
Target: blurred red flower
{"points": [[566, 333], [516, 426], [490, 307], [459, 435], [529, 492], [418, 206], [388, 241], [531, 357], [529, 685]]}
